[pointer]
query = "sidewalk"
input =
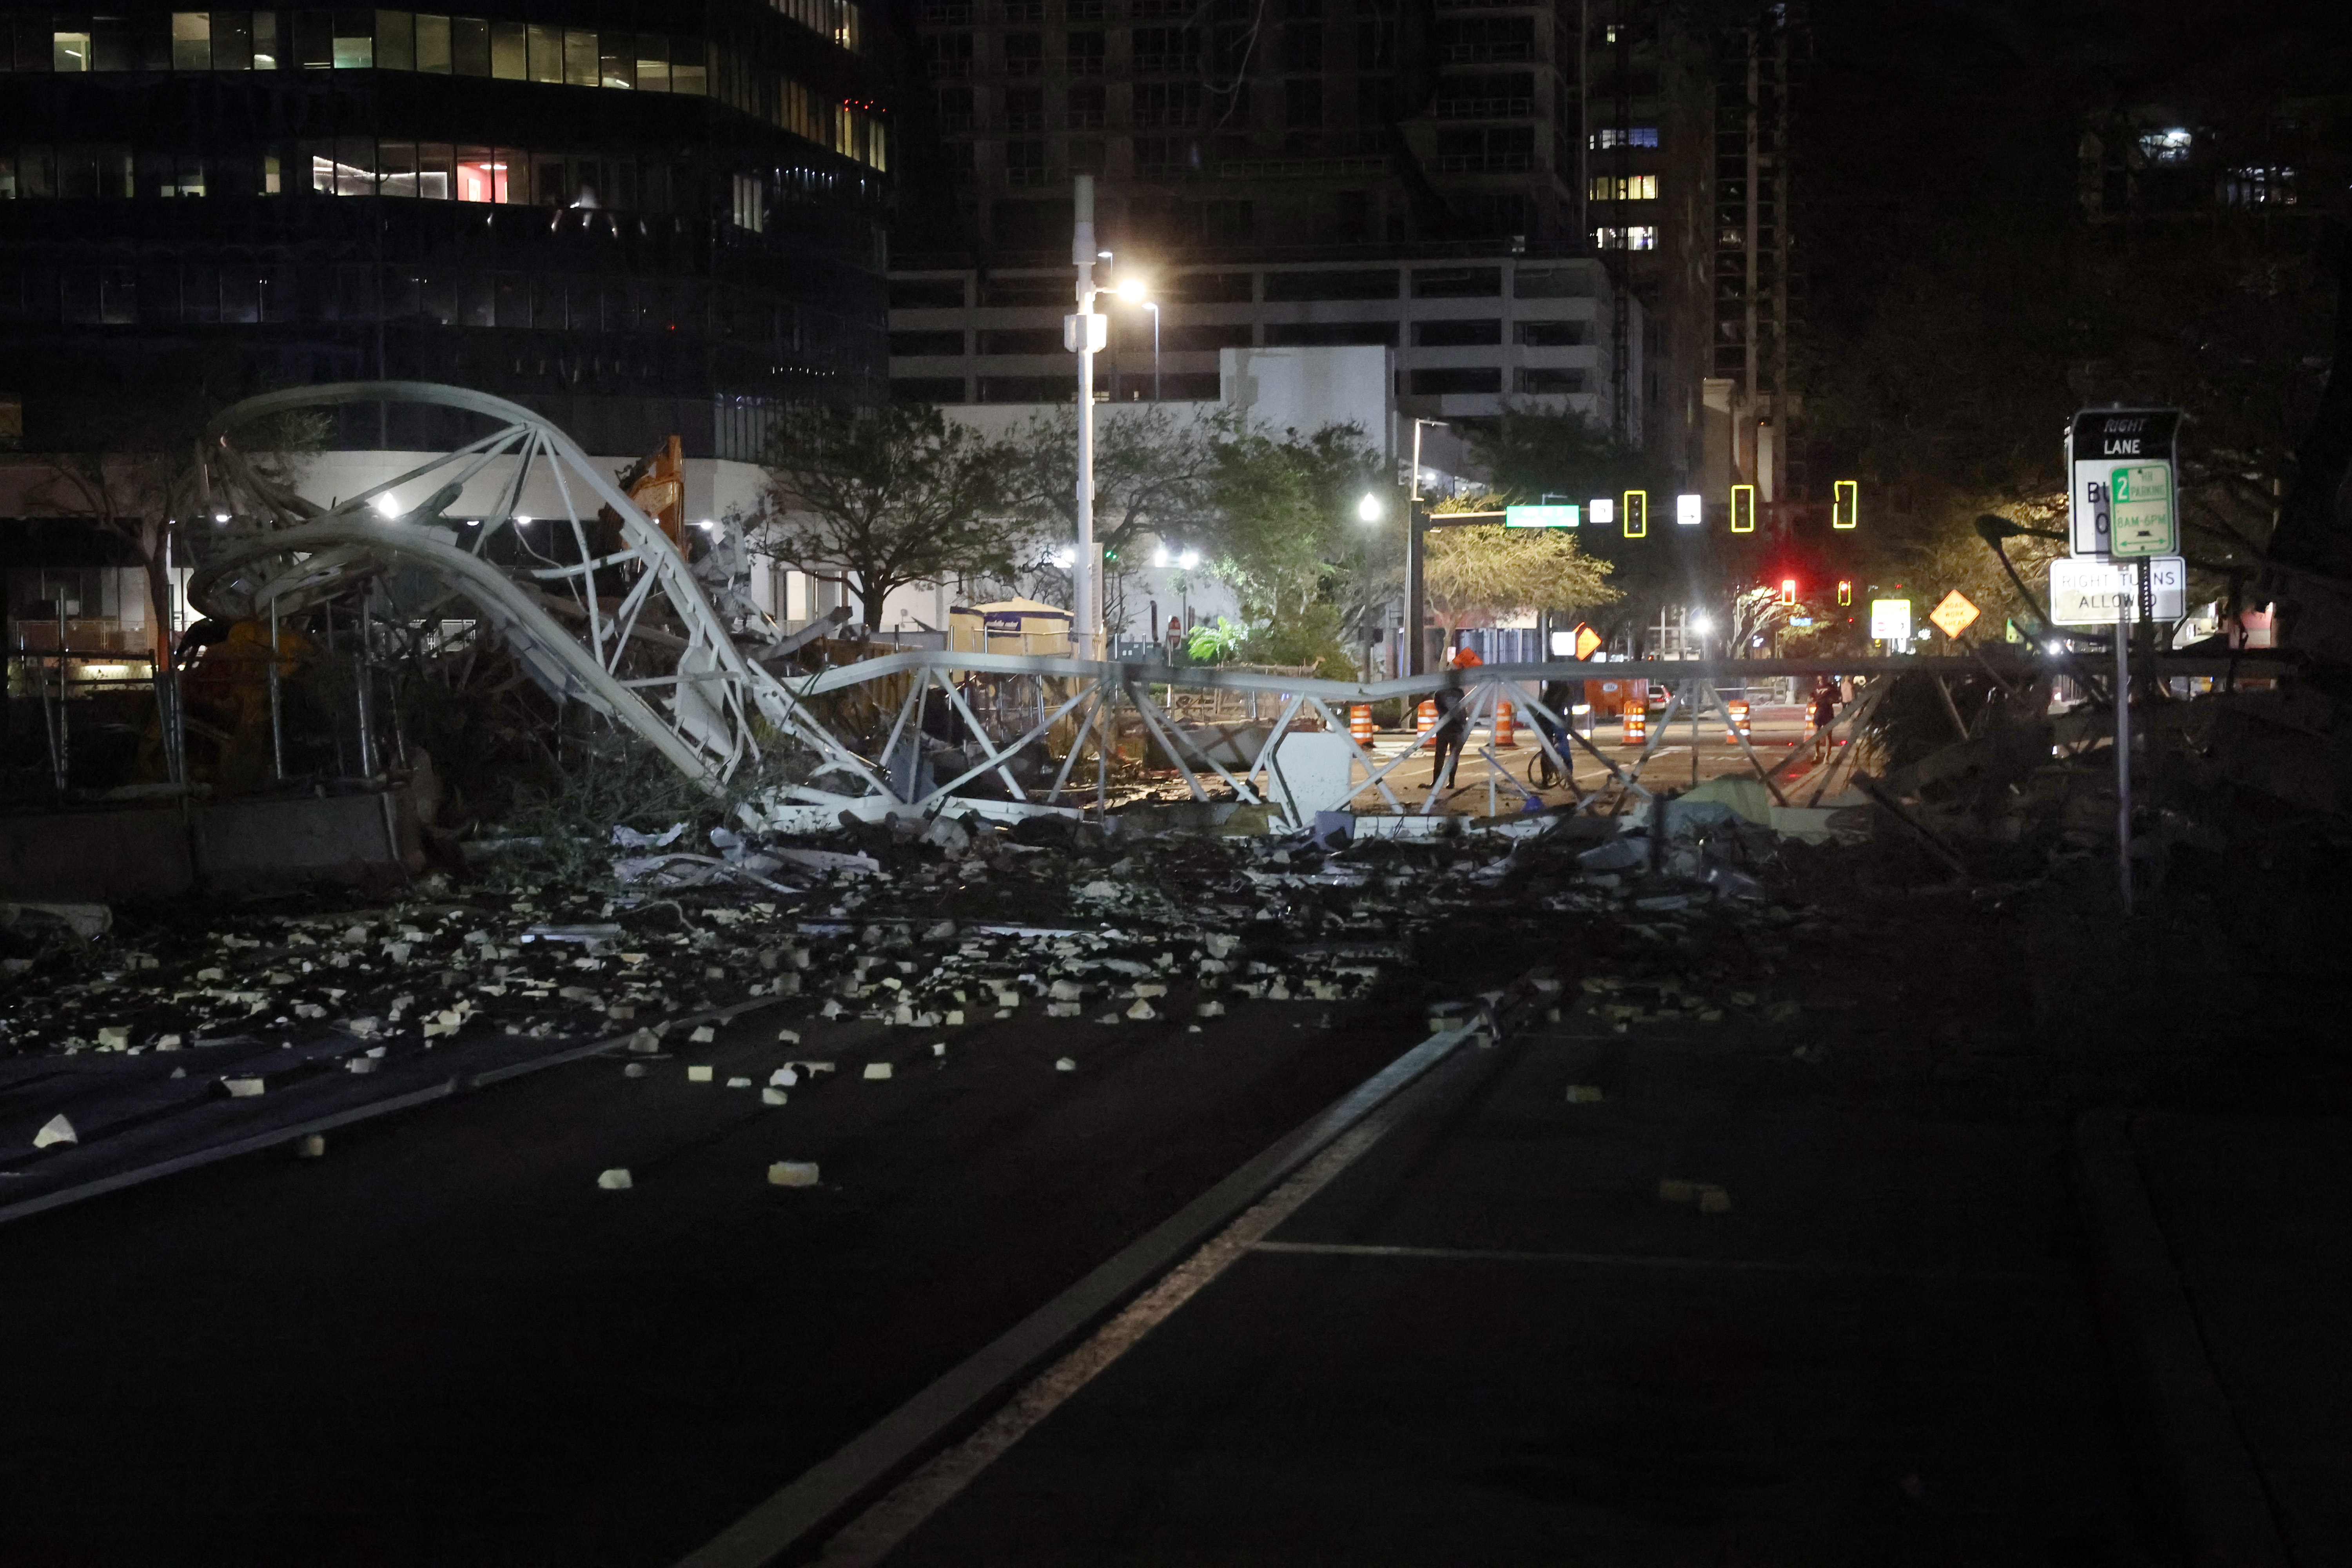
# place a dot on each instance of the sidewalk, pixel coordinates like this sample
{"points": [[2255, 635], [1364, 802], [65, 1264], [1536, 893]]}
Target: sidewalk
{"points": [[2257, 1216]]}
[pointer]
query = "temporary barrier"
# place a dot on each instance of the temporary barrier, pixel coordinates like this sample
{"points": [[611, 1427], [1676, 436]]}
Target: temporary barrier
{"points": [[1636, 724], [1504, 734], [1739, 729], [1425, 718], [1359, 723]]}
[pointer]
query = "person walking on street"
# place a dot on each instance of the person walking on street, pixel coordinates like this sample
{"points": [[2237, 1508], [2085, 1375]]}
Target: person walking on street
{"points": [[1453, 721], [1825, 713]]}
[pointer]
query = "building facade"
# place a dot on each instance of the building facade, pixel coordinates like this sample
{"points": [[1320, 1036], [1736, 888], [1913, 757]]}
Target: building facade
{"points": [[637, 219], [1467, 333], [1254, 125], [1691, 196]]}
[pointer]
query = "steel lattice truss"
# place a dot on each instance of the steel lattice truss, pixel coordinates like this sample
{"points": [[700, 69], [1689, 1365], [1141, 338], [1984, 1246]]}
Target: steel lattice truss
{"points": [[660, 662], [658, 656]]}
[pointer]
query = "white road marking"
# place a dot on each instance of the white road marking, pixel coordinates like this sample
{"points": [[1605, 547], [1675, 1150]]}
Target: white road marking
{"points": [[871, 1536]]}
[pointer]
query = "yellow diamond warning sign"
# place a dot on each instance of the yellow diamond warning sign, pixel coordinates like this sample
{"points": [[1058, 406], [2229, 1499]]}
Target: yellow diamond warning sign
{"points": [[1955, 615]]}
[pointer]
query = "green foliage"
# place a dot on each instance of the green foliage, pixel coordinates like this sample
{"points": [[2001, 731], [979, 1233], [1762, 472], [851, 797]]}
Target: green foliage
{"points": [[1215, 644], [1952, 396], [1309, 637], [886, 496], [1534, 453], [1489, 570]]}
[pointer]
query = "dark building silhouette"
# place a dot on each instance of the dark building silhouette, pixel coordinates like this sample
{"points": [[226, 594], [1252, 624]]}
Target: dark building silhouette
{"points": [[636, 218]]}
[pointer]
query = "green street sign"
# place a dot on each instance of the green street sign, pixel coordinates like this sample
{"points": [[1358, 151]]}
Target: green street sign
{"points": [[2139, 511], [1543, 517]]}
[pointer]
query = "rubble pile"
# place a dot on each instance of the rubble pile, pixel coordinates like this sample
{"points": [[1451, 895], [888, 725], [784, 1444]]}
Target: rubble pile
{"points": [[932, 925]]}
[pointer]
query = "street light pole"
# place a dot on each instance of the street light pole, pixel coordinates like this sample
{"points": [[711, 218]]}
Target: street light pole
{"points": [[1083, 333], [1416, 601]]}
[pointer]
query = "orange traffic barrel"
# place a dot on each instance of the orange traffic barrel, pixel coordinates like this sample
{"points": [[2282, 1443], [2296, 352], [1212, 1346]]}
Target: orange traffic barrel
{"points": [[1635, 722], [1425, 718], [1359, 723], [1739, 730], [1502, 733]]}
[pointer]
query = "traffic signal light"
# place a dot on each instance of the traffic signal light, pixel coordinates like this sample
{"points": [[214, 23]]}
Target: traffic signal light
{"points": [[1743, 508], [1845, 592], [1637, 514], [1788, 590], [1845, 503]]}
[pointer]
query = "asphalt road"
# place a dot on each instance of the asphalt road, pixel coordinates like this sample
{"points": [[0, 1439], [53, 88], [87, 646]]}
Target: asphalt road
{"points": [[1492, 1339], [443, 1343]]}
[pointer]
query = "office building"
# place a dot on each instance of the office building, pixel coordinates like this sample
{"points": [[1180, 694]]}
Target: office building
{"points": [[637, 219]]}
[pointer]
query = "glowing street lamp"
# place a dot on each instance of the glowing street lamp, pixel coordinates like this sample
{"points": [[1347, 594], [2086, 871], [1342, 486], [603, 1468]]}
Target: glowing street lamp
{"points": [[1368, 510], [1134, 292]]}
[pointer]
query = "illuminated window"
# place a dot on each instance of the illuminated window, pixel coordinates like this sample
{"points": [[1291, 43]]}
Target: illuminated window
{"points": [[1625, 136], [69, 51], [192, 41], [1640, 236], [355, 40], [546, 46], [2169, 146], [751, 204], [481, 175], [433, 56], [508, 55], [344, 168], [2259, 187], [653, 63], [1624, 188]]}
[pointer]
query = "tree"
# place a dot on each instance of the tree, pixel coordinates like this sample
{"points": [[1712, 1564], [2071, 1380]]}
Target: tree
{"points": [[1488, 571], [879, 498], [131, 477], [1153, 470]]}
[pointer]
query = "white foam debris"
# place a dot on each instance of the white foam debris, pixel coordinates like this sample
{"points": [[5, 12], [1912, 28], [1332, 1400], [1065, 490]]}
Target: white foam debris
{"points": [[615, 1180], [792, 1174], [58, 1129]]}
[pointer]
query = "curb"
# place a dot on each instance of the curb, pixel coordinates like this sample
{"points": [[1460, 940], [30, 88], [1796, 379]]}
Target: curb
{"points": [[2210, 1483]]}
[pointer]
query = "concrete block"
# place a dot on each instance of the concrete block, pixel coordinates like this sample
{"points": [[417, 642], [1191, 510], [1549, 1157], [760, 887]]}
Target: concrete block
{"points": [[110, 856], [877, 1071], [699, 1073]]}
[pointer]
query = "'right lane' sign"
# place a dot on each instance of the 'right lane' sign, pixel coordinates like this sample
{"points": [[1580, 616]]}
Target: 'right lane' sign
{"points": [[2122, 483]]}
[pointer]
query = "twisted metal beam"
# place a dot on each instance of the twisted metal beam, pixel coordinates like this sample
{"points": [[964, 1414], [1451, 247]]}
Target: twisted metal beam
{"points": [[685, 686]]}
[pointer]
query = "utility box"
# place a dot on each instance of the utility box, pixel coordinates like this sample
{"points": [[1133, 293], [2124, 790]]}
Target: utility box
{"points": [[1313, 770]]}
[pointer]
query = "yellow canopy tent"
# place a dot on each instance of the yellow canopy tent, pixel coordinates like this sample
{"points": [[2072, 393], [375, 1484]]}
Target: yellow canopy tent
{"points": [[1009, 625]]}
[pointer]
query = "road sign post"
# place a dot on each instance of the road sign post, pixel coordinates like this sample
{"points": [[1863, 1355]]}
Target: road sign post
{"points": [[1955, 615], [2123, 750], [2085, 592], [2122, 482]]}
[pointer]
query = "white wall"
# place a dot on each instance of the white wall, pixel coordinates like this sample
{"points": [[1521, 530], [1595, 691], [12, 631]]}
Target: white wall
{"points": [[1306, 389]]}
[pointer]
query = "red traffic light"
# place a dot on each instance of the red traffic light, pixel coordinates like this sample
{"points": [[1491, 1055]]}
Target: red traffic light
{"points": [[1788, 590]]}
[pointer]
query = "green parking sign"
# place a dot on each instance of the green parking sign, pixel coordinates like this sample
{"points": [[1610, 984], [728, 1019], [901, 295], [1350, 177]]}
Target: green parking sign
{"points": [[2139, 511]]}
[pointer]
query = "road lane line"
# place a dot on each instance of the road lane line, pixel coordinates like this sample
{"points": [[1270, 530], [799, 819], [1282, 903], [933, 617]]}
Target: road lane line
{"points": [[872, 1535], [1636, 1260], [826, 1491]]}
